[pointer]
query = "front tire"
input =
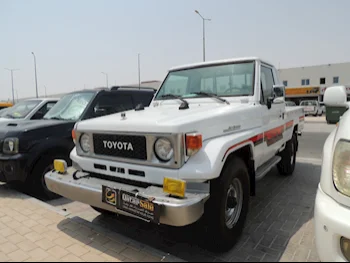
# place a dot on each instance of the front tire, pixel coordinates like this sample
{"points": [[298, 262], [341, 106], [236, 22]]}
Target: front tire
{"points": [[287, 165], [227, 208], [37, 177]]}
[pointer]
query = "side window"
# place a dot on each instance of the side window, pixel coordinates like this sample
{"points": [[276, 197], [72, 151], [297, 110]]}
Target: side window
{"points": [[267, 83], [112, 103], [43, 110]]}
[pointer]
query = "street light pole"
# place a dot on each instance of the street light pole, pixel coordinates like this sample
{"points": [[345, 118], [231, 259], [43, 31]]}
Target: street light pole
{"points": [[13, 91], [36, 79], [139, 70], [204, 19], [106, 78]]}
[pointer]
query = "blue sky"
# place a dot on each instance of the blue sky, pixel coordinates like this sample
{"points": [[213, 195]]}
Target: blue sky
{"points": [[75, 40]]}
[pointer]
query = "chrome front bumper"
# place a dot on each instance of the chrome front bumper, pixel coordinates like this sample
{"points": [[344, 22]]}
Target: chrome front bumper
{"points": [[174, 212]]}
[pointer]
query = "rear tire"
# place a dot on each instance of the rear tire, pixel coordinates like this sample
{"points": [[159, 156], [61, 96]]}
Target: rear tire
{"points": [[227, 209], [37, 177], [287, 165]]}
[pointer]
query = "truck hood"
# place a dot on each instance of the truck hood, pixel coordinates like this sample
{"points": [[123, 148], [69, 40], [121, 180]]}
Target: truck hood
{"points": [[169, 119], [13, 128]]}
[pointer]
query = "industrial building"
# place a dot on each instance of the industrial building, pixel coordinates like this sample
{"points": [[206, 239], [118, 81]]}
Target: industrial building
{"points": [[311, 82]]}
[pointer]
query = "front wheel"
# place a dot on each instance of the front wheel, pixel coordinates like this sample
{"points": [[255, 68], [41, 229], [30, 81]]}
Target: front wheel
{"points": [[287, 165], [227, 208], [37, 177]]}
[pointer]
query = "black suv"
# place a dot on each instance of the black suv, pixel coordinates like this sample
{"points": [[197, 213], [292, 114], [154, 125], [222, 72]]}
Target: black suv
{"points": [[28, 148]]}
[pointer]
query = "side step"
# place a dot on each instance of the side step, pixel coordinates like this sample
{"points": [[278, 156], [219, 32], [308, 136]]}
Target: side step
{"points": [[266, 167]]}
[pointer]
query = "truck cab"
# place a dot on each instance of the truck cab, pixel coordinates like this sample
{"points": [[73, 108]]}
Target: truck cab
{"points": [[212, 130]]}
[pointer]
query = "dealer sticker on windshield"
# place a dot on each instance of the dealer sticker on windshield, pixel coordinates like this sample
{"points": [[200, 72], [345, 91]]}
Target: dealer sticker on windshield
{"points": [[131, 203]]}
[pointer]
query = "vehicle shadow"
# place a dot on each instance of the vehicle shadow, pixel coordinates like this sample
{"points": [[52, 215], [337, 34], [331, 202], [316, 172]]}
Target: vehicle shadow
{"points": [[278, 226]]}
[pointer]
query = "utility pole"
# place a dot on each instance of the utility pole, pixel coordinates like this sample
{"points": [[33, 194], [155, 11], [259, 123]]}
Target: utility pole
{"points": [[13, 90], [204, 19], [139, 66], [36, 79], [106, 78]]}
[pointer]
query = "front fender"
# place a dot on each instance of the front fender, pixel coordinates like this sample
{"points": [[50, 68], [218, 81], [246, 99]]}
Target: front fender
{"points": [[207, 164]]}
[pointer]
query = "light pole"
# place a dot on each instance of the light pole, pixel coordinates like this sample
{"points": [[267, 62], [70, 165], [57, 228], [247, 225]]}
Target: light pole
{"points": [[204, 19], [36, 79], [106, 77], [139, 66], [13, 91]]}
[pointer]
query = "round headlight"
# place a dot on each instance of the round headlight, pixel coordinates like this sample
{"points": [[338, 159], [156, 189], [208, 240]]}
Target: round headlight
{"points": [[85, 143], [163, 149]]}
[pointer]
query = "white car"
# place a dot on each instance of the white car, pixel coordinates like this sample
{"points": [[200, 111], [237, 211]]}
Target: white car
{"points": [[312, 107], [211, 131], [32, 109], [332, 206]]}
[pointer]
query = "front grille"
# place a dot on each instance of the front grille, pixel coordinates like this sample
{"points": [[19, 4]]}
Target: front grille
{"points": [[124, 146]]}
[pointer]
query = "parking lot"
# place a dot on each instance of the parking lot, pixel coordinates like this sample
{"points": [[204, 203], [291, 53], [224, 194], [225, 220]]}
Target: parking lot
{"points": [[279, 227]]}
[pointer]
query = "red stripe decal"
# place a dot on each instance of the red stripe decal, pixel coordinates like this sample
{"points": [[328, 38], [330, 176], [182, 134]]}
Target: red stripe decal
{"points": [[289, 124], [256, 140], [301, 118]]}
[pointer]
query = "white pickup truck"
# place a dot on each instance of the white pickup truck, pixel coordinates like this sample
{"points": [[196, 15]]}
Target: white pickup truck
{"points": [[211, 131], [332, 205]]}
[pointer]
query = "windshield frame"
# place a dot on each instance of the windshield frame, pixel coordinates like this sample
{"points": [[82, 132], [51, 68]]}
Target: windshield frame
{"points": [[93, 93], [254, 62]]}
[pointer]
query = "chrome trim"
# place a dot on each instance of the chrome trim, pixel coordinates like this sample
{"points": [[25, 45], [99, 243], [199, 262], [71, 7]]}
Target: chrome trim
{"points": [[177, 141]]}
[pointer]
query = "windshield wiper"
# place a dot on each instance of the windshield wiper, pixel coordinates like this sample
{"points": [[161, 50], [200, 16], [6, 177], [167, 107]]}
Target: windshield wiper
{"points": [[212, 95], [184, 104]]}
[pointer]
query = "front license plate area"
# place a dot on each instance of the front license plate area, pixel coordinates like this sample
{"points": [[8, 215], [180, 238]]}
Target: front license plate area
{"points": [[131, 203]]}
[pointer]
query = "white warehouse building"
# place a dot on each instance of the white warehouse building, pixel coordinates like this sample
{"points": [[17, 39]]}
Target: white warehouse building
{"points": [[310, 82]]}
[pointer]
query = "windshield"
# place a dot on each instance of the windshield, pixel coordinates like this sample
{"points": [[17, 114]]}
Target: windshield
{"points": [[224, 80], [70, 107], [3, 112], [21, 109], [308, 103]]}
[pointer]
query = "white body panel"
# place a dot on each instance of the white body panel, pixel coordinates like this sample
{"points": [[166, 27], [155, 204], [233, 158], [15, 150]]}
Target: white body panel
{"points": [[332, 208]]}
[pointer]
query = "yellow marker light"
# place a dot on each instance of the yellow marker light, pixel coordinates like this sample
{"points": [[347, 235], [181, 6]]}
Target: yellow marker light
{"points": [[174, 187], [60, 166]]}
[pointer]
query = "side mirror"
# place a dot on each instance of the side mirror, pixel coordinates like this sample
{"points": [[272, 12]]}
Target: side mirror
{"points": [[269, 102], [279, 91]]}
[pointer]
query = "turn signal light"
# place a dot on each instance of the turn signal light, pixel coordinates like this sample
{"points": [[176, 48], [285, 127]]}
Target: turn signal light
{"points": [[174, 187], [74, 136], [194, 143], [60, 166]]}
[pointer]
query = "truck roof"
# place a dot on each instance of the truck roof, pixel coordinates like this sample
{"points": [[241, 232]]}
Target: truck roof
{"points": [[218, 62]]}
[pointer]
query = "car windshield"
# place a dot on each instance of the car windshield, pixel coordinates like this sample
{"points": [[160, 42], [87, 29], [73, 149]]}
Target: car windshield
{"points": [[308, 103], [3, 112], [21, 109], [223, 80], [70, 107]]}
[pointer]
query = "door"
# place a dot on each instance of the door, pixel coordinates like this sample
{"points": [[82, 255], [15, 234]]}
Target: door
{"points": [[273, 117]]}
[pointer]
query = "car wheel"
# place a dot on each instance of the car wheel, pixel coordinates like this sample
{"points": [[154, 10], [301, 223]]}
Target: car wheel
{"points": [[227, 208], [287, 165], [37, 178]]}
